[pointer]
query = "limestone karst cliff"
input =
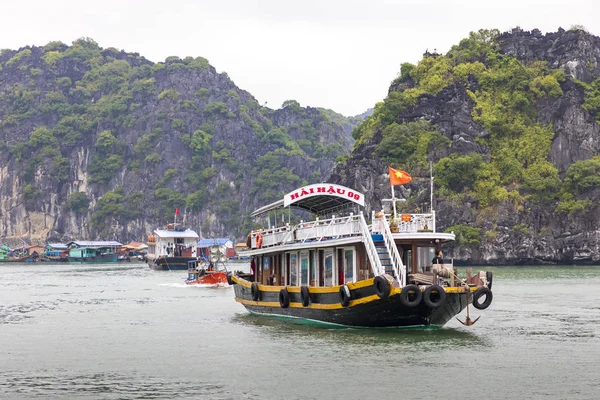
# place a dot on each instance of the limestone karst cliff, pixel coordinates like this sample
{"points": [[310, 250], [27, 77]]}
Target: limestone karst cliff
{"points": [[510, 123], [99, 143]]}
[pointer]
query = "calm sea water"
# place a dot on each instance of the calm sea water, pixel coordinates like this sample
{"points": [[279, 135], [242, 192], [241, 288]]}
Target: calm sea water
{"points": [[126, 332]]}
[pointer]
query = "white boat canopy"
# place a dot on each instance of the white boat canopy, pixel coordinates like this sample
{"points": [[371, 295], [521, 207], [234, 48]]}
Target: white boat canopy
{"points": [[319, 198]]}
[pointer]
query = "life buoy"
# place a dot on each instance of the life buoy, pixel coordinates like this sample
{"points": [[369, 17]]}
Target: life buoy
{"points": [[411, 296], [284, 298], [259, 240], [382, 287], [434, 296], [345, 296], [255, 291], [479, 293], [305, 296]]}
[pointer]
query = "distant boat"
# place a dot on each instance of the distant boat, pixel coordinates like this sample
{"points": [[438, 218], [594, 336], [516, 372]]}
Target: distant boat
{"points": [[93, 252], [206, 273], [172, 248]]}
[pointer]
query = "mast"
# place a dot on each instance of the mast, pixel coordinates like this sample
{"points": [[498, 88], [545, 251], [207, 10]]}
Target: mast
{"points": [[431, 194]]}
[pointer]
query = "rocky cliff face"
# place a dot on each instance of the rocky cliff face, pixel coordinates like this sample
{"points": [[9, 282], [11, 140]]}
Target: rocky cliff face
{"points": [[101, 144], [509, 232]]}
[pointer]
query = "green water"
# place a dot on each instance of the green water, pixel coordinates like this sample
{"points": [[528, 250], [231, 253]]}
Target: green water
{"points": [[120, 332]]}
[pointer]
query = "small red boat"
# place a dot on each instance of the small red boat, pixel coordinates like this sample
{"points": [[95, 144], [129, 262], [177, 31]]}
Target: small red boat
{"points": [[201, 273]]}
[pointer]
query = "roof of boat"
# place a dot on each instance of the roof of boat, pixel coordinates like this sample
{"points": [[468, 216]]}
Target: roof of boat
{"points": [[318, 198], [165, 233], [81, 243], [214, 242], [57, 245]]}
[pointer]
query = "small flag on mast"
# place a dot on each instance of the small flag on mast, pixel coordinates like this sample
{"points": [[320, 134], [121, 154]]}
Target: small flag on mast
{"points": [[177, 211], [399, 177]]}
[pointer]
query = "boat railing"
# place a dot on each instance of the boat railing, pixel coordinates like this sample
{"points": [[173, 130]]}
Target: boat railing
{"points": [[317, 230], [392, 249], [374, 260], [409, 223]]}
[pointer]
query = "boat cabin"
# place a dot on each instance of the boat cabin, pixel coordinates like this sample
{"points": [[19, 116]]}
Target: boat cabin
{"points": [[174, 241], [336, 245]]}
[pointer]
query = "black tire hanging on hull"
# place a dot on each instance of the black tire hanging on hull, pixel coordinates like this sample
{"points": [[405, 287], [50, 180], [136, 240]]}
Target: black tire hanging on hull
{"points": [[411, 296], [229, 279], [434, 296], [382, 287], [305, 296], [255, 291], [345, 296], [284, 298], [479, 293]]}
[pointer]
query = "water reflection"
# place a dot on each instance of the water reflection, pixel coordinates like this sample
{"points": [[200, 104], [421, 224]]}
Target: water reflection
{"points": [[418, 338]]}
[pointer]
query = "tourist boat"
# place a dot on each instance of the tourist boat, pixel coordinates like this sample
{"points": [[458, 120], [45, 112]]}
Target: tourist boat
{"points": [[206, 273], [93, 252], [340, 269], [172, 248]]}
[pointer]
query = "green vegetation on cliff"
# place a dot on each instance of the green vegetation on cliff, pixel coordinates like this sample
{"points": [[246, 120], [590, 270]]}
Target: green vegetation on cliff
{"points": [[484, 115], [513, 163], [141, 138]]}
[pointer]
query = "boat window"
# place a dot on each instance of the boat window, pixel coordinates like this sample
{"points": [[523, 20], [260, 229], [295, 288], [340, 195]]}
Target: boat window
{"points": [[266, 266], [348, 265], [293, 269], [328, 270], [304, 268], [313, 267], [424, 257]]}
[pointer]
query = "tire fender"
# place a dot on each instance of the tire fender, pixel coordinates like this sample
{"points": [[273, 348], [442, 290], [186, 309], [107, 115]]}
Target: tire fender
{"points": [[284, 298], [305, 296], [345, 296], [255, 291], [434, 296], [411, 296], [382, 287], [479, 293]]}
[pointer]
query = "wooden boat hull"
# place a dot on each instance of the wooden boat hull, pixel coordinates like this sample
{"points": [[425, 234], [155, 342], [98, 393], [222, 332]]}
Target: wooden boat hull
{"points": [[211, 278], [163, 263], [366, 309], [15, 260]]}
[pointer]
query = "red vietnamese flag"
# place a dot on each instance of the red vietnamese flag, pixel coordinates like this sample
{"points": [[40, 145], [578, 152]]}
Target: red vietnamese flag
{"points": [[177, 211], [399, 177]]}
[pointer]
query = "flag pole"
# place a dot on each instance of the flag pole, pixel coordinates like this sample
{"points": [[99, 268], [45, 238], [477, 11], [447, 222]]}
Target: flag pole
{"points": [[393, 201], [431, 194]]}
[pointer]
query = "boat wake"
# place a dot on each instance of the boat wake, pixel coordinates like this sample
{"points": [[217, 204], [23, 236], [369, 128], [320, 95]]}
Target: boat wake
{"points": [[195, 285]]}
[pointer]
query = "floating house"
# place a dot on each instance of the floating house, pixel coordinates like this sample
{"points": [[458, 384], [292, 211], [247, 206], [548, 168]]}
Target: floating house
{"points": [[83, 252], [56, 251]]}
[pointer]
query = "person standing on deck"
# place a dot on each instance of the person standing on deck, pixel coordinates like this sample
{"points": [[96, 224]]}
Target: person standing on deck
{"points": [[438, 259]]}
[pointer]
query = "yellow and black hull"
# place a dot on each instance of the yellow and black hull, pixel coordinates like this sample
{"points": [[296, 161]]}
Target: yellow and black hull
{"points": [[365, 307]]}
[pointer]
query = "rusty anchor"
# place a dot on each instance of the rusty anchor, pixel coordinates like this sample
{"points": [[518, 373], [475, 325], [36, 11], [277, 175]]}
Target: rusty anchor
{"points": [[468, 321]]}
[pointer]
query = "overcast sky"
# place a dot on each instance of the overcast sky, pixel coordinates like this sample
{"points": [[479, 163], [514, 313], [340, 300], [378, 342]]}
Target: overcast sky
{"points": [[337, 54]]}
